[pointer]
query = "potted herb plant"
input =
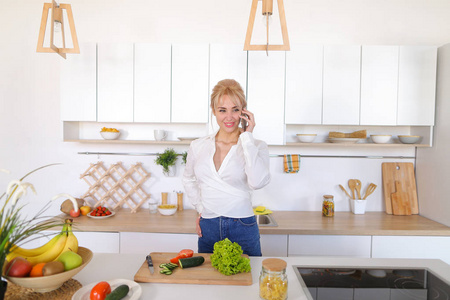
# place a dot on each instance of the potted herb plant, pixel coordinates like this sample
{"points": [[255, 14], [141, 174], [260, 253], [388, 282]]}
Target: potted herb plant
{"points": [[14, 229], [184, 157], [167, 160]]}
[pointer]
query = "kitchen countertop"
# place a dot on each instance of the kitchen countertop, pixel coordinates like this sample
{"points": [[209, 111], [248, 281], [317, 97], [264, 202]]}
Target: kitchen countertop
{"points": [[289, 222], [112, 266]]}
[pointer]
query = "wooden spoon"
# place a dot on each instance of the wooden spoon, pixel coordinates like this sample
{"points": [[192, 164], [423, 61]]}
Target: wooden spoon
{"points": [[358, 188], [370, 189], [342, 188], [352, 186]]}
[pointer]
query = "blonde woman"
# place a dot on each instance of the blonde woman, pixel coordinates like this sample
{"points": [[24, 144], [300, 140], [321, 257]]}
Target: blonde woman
{"points": [[221, 171]]}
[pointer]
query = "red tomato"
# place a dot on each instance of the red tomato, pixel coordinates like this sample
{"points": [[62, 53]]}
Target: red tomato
{"points": [[100, 291], [182, 254]]}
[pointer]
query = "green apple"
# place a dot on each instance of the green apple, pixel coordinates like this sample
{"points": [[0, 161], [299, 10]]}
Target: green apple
{"points": [[71, 260]]}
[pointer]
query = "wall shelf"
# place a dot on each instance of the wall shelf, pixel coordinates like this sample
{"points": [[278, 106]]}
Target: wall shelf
{"points": [[326, 144], [184, 142]]}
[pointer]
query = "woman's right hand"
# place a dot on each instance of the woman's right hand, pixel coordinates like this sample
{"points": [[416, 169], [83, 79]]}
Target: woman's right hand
{"points": [[198, 228]]}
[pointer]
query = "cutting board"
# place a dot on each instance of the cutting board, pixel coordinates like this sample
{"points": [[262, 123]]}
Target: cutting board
{"points": [[400, 201], [203, 274], [404, 174]]}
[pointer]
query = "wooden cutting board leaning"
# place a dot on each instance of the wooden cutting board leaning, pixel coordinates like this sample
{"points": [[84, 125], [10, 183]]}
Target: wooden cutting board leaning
{"points": [[399, 188], [203, 274]]}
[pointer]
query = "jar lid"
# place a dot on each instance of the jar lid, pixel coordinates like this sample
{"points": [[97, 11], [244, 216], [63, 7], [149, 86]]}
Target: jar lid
{"points": [[274, 264], [328, 196]]}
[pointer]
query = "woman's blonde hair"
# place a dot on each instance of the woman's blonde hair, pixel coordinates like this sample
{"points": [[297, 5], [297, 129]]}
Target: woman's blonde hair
{"points": [[229, 87]]}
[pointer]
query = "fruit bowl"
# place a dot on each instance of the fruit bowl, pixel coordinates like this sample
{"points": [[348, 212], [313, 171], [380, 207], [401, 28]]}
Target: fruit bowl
{"points": [[167, 210], [52, 282], [109, 135]]}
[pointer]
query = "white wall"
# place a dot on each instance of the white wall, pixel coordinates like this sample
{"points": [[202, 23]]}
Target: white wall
{"points": [[30, 127]]}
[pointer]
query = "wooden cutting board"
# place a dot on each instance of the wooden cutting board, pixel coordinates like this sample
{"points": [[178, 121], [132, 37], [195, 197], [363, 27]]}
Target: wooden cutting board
{"points": [[400, 201], [404, 174], [203, 274]]}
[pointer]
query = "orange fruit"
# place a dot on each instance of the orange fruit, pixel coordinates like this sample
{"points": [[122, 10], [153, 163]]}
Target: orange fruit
{"points": [[36, 271]]}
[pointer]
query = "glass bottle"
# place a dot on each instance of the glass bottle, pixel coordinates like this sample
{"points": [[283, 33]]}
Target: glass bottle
{"points": [[273, 282], [328, 206]]}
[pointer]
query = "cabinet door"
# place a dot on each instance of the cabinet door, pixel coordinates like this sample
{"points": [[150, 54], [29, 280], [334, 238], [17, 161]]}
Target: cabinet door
{"points": [[144, 243], [304, 66], [430, 247], [417, 85], [152, 74], [266, 95], [79, 85], [379, 81], [341, 85], [274, 245], [115, 82], [329, 245], [227, 61], [190, 66]]}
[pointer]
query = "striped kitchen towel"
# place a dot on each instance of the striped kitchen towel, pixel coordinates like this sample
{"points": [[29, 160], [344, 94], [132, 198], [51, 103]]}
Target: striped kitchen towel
{"points": [[291, 163]]}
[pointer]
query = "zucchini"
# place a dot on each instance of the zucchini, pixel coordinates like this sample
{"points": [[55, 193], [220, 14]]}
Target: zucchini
{"points": [[119, 293], [190, 262]]}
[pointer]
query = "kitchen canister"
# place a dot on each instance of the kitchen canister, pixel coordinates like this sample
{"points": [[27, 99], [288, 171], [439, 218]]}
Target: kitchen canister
{"points": [[358, 206], [273, 281], [328, 206]]}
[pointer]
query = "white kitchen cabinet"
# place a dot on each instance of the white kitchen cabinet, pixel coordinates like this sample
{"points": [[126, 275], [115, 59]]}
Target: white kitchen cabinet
{"points": [[417, 85], [226, 61], [304, 66], [97, 242], [265, 95], [341, 85], [144, 243], [152, 77], [274, 245], [190, 74], [379, 81], [329, 245], [436, 247], [78, 85], [115, 82]]}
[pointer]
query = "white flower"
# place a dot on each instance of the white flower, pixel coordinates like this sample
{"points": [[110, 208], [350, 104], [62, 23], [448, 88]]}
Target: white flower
{"points": [[74, 201], [21, 189]]}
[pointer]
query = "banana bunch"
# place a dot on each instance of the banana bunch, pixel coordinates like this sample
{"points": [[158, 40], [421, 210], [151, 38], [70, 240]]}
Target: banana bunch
{"points": [[64, 241]]}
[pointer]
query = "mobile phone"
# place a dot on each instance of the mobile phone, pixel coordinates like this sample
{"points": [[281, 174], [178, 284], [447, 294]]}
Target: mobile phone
{"points": [[244, 123]]}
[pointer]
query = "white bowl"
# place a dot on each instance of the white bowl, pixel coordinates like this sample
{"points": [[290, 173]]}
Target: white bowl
{"points": [[409, 139], [380, 138], [167, 211], [306, 138], [108, 135]]}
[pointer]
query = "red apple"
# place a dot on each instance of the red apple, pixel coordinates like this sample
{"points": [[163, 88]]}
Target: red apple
{"points": [[74, 213], [18, 267]]}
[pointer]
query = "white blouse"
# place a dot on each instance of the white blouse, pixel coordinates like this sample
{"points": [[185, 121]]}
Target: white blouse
{"points": [[226, 192]]}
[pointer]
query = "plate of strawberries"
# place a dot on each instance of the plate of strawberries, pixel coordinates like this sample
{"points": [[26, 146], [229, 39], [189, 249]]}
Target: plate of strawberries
{"points": [[101, 212]]}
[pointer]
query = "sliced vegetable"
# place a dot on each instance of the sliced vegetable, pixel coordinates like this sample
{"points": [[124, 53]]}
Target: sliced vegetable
{"points": [[182, 254], [191, 262], [100, 291], [119, 293]]}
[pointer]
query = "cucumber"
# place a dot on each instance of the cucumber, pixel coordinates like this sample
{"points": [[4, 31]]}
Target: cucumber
{"points": [[120, 292], [190, 262]]}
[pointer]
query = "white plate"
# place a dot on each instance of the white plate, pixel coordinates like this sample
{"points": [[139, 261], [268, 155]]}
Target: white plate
{"points": [[100, 217], [344, 140], [187, 138], [134, 293]]}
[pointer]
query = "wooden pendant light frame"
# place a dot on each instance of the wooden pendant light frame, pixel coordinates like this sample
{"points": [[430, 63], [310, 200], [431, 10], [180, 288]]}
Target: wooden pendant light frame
{"points": [[284, 33], [57, 16]]}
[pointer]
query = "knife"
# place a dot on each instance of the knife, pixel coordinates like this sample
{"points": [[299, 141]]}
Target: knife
{"points": [[150, 264]]}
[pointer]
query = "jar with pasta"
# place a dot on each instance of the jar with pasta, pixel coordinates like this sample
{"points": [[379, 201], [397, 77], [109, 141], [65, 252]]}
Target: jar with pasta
{"points": [[273, 282], [328, 206]]}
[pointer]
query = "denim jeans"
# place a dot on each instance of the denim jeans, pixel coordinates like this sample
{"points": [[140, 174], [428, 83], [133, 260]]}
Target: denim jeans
{"points": [[243, 231]]}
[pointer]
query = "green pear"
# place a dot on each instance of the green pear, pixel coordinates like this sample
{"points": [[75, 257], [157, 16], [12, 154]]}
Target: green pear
{"points": [[71, 260]]}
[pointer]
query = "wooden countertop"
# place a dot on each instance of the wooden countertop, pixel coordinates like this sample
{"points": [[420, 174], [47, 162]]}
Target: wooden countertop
{"points": [[289, 222]]}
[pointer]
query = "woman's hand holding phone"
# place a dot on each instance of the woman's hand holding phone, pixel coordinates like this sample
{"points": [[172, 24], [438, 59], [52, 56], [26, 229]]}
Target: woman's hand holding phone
{"points": [[248, 118]]}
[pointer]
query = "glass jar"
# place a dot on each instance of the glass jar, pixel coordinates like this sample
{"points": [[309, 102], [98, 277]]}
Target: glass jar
{"points": [[328, 206], [273, 282]]}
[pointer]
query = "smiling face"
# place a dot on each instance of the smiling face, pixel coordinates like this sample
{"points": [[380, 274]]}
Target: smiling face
{"points": [[227, 114]]}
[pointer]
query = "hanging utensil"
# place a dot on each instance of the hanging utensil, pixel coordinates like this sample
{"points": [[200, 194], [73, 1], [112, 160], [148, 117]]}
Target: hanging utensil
{"points": [[342, 188], [370, 189], [352, 186], [358, 188]]}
